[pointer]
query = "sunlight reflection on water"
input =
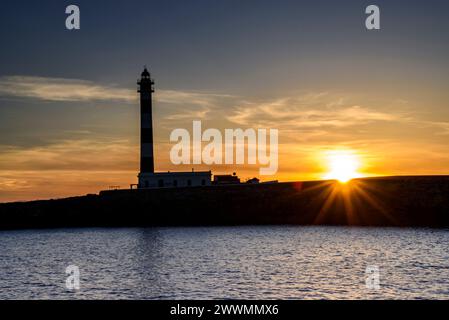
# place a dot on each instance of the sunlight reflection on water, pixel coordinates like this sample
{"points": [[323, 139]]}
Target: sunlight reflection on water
{"points": [[277, 262]]}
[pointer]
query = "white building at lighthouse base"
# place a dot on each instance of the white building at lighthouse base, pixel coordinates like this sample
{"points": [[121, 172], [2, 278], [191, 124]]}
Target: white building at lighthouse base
{"points": [[174, 179]]}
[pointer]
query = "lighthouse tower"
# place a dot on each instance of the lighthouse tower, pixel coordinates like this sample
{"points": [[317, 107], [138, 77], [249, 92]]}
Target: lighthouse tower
{"points": [[147, 177], [146, 90]]}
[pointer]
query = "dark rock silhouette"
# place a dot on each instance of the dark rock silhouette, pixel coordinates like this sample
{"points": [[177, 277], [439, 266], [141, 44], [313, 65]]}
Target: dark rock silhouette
{"points": [[388, 201]]}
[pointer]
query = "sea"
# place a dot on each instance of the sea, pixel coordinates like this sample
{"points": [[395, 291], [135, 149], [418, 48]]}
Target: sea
{"points": [[250, 262]]}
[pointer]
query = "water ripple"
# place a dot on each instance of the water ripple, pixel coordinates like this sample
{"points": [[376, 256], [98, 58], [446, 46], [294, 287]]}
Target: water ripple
{"points": [[225, 263]]}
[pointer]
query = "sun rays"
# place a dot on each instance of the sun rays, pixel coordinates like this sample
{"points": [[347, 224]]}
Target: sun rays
{"points": [[357, 202]]}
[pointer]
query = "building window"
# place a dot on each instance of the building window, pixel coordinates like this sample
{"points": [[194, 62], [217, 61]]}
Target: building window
{"points": [[161, 183], [203, 182], [189, 182], [175, 183]]}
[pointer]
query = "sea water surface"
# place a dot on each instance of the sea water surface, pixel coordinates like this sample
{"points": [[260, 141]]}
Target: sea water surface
{"points": [[270, 262]]}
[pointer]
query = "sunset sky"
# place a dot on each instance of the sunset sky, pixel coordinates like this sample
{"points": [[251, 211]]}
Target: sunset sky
{"points": [[69, 110]]}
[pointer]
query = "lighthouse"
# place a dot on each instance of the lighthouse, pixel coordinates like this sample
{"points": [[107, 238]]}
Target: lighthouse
{"points": [[147, 177], [146, 89]]}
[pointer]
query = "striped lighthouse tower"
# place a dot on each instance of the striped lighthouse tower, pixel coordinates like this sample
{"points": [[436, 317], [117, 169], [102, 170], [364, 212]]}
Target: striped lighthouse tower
{"points": [[146, 90]]}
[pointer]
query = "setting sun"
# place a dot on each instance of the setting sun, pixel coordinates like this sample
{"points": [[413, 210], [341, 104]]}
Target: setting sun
{"points": [[343, 165]]}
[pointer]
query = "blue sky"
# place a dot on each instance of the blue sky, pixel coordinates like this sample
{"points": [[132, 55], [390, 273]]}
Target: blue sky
{"points": [[219, 45]]}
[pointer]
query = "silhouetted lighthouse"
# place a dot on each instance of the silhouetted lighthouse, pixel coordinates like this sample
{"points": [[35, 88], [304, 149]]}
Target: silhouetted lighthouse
{"points": [[147, 177], [146, 90]]}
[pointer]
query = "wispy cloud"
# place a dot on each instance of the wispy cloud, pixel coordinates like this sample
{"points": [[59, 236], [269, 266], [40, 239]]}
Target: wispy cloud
{"points": [[328, 118], [443, 127], [58, 89], [311, 111], [188, 106], [81, 154], [70, 90], [183, 97], [66, 167]]}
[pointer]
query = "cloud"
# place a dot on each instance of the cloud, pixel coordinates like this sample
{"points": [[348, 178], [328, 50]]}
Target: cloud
{"points": [[183, 97], [85, 154], [66, 167], [312, 111], [75, 90], [443, 127], [194, 105], [59, 89]]}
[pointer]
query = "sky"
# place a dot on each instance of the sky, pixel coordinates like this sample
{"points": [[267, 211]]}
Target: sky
{"points": [[69, 110]]}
